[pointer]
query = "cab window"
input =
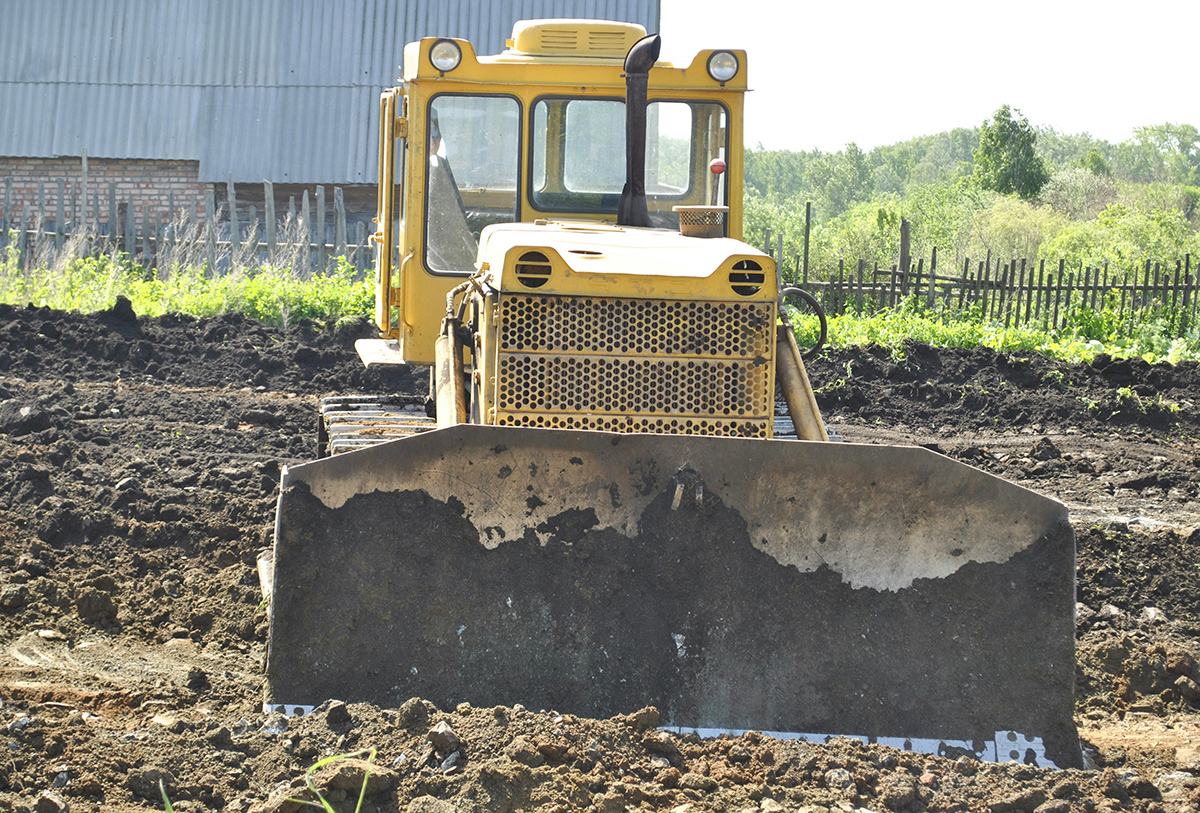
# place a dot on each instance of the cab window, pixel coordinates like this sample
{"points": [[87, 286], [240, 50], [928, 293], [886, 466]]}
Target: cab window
{"points": [[471, 175]]}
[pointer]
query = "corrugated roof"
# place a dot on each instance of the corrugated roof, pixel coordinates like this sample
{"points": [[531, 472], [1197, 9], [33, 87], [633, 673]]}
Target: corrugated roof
{"points": [[285, 90]]}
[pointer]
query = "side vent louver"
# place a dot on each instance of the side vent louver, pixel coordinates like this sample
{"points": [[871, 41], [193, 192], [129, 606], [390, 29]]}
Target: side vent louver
{"points": [[746, 278], [533, 269]]}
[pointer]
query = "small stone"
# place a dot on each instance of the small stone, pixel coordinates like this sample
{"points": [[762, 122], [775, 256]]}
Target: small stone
{"points": [[48, 802], [443, 738], [452, 763], [170, 723], [770, 806], [838, 779], [337, 713], [697, 781], [1053, 806]]}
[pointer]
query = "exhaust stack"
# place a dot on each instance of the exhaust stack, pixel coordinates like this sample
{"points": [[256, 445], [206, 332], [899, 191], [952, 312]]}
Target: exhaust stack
{"points": [[632, 211]]}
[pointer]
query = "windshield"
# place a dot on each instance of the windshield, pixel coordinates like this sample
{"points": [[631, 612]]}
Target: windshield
{"points": [[578, 155]]}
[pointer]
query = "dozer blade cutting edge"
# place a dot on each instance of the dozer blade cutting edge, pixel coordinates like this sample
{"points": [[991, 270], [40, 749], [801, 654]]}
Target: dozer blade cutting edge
{"points": [[784, 586]]}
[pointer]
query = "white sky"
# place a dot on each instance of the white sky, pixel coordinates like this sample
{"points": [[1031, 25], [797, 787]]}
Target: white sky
{"points": [[826, 72]]}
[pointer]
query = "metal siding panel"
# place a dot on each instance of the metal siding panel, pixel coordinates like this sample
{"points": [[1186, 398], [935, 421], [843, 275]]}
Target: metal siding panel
{"points": [[232, 84]]}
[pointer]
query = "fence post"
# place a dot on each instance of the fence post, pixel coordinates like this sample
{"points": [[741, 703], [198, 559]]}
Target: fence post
{"points": [[269, 215], [339, 223], [322, 249], [859, 300], [807, 233], [210, 228], [306, 230], [82, 216]]}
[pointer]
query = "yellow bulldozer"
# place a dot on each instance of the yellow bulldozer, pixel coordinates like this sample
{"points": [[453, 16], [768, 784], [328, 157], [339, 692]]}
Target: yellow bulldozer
{"points": [[605, 511]]}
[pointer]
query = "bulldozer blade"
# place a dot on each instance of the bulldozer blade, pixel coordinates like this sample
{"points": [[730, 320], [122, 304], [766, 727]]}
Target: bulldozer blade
{"points": [[782, 586]]}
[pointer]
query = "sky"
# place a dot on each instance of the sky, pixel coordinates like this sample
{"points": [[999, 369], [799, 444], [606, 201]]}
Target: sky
{"points": [[823, 74]]}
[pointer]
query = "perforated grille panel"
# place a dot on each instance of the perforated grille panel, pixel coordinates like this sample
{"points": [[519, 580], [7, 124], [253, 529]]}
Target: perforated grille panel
{"points": [[636, 326], [627, 365]]}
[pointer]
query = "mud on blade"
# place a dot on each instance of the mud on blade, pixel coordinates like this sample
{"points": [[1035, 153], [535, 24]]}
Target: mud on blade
{"points": [[739, 584]]}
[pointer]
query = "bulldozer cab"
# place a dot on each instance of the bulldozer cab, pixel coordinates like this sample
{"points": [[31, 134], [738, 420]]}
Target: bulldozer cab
{"points": [[537, 132]]}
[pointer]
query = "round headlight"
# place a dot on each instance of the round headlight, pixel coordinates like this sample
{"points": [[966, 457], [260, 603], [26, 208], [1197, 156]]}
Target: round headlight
{"points": [[722, 66], [445, 55]]}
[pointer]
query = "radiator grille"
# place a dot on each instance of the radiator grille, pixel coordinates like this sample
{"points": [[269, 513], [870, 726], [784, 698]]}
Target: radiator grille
{"points": [[627, 365], [636, 326]]}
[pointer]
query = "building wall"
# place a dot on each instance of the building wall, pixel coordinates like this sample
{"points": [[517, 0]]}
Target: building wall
{"points": [[151, 186], [148, 185]]}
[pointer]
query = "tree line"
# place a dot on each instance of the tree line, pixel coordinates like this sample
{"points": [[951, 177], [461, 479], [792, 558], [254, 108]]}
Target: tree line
{"points": [[1006, 188]]}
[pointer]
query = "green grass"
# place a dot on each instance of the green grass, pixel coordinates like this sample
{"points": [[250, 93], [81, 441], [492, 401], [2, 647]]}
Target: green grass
{"points": [[277, 296], [1087, 334], [268, 294]]}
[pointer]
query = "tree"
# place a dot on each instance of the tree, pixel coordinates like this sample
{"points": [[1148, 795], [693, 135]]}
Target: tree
{"points": [[1005, 160]]}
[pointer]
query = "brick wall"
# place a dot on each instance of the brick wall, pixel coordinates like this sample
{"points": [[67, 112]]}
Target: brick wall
{"points": [[145, 184], [149, 185]]}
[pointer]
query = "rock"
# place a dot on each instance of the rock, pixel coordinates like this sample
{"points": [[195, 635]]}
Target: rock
{"points": [[337, 713], [347, 774], [1054, 806], [443, 738], [430, 804], [522, 750], [553, 749], [17, 418], [696, 781], [452, 763], [838, 779], [170, 723], [48, 802]]}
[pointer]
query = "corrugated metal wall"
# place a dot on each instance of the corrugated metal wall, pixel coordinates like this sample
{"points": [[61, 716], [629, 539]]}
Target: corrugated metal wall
{"points": [[285, 90]]}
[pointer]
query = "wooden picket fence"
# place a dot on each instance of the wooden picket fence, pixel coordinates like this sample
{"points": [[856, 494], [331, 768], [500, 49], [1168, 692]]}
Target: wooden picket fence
{"points": [[1014, 293], [221, 238]]}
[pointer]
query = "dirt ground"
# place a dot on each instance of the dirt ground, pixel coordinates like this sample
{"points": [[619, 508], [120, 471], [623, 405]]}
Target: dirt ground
{"points": [[139, 463]]}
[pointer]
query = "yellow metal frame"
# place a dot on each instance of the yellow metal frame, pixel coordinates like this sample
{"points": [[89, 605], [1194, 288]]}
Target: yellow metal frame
{"points": [[411, 299]]}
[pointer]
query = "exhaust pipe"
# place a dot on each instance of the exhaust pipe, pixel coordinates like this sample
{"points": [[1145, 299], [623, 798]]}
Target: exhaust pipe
{"points": [[632, 211]]}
